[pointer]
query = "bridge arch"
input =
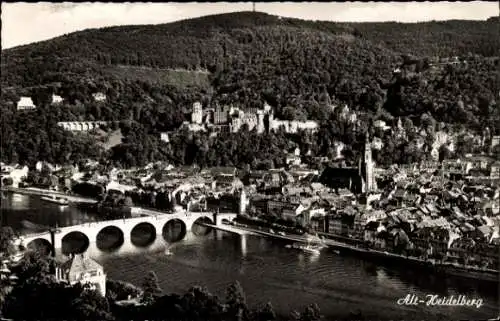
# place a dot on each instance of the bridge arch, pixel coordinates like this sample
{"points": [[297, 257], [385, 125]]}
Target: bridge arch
{"points": [[41, 245], [174, 230], [199, 229], [110, 238], [143, 234], [74, 242]]}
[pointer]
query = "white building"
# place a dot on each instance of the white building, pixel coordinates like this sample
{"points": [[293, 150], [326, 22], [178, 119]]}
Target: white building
{"points": [[292, 127], [113, 185], [197, 114], [82, 269], [193, 127], [56, 99], [381, 124], [495, 141], [17, 174], [25, 103], [165, 137], [99, 96]]}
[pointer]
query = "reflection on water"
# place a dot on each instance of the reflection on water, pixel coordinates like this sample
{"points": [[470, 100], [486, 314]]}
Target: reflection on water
{"points": [[20, 201], [268, 271], [314, 257], [243, 242], [16, 208]]}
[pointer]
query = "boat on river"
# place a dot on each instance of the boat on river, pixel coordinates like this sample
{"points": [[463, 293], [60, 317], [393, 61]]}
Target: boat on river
{"points": [[310, 248], [56, 200], [313, 245]]}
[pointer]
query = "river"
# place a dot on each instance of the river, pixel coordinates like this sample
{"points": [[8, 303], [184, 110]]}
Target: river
{"points": [[267, 271]]}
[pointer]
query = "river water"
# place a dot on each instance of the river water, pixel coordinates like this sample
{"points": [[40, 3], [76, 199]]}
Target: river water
{"points": [[267, 271]]}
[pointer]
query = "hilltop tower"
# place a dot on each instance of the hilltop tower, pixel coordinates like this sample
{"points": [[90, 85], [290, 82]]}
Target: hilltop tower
{"points": [[197, 114]]}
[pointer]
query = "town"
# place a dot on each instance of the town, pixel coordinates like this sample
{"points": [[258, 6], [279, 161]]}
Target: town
{"points": [[444, 211]]}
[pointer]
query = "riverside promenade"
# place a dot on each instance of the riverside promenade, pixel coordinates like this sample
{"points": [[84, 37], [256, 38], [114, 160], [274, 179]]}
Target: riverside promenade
{"points": [[45, 192]]}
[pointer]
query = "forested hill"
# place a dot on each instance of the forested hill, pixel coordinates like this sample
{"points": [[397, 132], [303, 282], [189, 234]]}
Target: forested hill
{"points": [[254, 56], [151, 74], [436, 38]]}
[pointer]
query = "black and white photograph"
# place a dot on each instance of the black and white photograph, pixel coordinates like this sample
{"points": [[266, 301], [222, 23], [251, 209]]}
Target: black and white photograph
{"points": [[250, 161]]}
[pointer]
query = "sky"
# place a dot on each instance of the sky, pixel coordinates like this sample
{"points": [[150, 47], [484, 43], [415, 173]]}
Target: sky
{"points": [[24, 23]]}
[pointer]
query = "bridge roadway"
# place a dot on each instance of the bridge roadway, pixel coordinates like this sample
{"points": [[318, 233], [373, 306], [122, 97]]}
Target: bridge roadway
{"points": [[126, 226]]}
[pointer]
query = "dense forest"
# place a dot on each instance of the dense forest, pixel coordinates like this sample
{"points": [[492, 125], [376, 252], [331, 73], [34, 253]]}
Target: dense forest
{"points": [[303, 69]]}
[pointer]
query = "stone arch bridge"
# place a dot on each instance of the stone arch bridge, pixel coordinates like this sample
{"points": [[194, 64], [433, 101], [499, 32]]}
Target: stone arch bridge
{"points": [[157, 223]]}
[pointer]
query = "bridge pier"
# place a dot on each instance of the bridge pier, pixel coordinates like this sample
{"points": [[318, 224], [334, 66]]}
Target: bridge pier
{"points": [[57, 244], [214, 217]]}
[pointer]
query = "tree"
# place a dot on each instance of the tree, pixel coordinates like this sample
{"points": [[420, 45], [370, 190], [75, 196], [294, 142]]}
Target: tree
{"points": [[311, 313], [89, 305], [48, 299], [266, 313], [33, 266], [199, 304], [128, 202], [236, 302], [7, 236], [151, 288]]}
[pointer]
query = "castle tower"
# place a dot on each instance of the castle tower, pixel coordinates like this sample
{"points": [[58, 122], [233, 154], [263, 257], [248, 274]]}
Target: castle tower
{"points": [[197, 114], [368, 166], [235, 124], [260, 122]]}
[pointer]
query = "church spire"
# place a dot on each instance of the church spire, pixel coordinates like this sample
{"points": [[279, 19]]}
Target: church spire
{"points": [[368, 165]]}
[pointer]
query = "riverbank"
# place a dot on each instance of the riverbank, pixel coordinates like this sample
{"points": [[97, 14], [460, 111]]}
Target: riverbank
{"points": [[442, 268], [229, 229], [44, 192]]}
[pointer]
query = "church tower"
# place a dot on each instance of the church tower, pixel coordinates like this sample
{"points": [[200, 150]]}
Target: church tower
{"points": [[243, 202], [367, 166]]}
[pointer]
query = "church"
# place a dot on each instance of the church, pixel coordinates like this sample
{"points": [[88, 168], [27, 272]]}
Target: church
{"points": [[357, 179]]}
